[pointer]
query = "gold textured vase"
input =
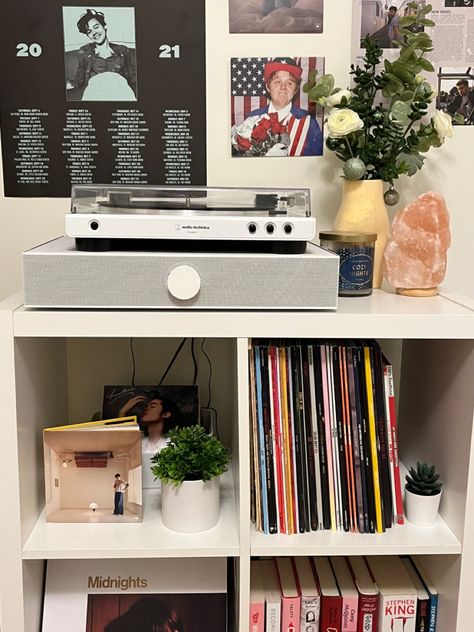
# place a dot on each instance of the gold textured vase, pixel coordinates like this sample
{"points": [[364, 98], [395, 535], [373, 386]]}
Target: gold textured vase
{"points": [[363, 211]]}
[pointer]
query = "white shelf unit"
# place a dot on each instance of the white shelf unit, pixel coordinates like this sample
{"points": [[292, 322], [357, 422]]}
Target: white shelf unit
{"points": [[53, 363]]}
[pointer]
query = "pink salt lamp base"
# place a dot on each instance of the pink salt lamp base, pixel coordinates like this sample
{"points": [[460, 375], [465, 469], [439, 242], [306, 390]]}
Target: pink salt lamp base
{"points": [[427, 291]]}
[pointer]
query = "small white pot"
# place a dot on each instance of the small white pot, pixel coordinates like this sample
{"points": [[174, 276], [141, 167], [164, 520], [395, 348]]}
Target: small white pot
{"points": [[190, 507], [421, 510]]}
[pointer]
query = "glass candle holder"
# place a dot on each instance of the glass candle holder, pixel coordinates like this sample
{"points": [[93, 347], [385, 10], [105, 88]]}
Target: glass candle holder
{"points": [[356, 259]]}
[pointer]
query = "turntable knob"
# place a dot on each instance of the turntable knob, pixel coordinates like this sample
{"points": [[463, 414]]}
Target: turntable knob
{"points": [[184, 282]]}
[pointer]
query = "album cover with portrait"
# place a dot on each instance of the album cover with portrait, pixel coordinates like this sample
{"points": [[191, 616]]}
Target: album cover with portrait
{"points": [[270, 112], [177, 595], [158, 409]]}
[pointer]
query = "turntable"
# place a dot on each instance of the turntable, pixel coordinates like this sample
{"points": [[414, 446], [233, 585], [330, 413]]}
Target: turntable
{"points": [[200, 219]]}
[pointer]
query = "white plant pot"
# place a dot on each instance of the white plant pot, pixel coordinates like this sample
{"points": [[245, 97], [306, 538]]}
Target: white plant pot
{"points": [[421, 510], [190, 507]]}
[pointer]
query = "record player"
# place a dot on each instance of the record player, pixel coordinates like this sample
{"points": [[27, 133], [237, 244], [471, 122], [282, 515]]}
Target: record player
{"points": [[200, 219], [135, 247]]}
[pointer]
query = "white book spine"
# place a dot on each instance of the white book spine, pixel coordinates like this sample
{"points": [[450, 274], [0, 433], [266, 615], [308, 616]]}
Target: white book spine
{"points": [[272, 617]]}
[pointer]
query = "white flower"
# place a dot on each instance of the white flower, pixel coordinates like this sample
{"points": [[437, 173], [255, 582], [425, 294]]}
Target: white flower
{"points": [[336, 98], [342, 122], [443, 124]]}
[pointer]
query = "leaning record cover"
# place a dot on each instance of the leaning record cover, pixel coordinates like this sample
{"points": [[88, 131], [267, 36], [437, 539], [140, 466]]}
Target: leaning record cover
{"points": [[117, 595]]}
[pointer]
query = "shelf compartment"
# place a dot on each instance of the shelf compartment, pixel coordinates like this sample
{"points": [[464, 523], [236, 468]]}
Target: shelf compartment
{"points": [[149, 539], [399, 540]]}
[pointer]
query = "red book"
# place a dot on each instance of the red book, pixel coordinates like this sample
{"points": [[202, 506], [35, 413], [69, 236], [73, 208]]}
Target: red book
{"points": [[367, 615], [331, 600], [290, 597], [257, 599]]}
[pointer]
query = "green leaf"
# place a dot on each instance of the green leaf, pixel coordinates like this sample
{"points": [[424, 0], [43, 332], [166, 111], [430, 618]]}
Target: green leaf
{"points": [[408, 20], [410, 162], [399, 112], [426, 22], [425, 64]]}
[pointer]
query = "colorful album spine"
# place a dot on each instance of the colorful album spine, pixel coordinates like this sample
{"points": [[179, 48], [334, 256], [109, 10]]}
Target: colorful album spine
{"points": [[257, 500], [392, 430], [373, 441], [355, 442], [316, 441], [328, 430], [269, 452], [274, 377], [348, 439], [287, 461], [309, 439], [323, 457], [334, 438], [292, 433], [381, 429], [261, 440], [343, 473]]}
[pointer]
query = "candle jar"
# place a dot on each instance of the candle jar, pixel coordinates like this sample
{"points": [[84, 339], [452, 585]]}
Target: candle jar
{"points": [[356, 259]]}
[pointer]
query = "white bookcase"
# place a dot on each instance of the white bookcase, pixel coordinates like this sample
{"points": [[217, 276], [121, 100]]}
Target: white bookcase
{"points": [[54, 363]]}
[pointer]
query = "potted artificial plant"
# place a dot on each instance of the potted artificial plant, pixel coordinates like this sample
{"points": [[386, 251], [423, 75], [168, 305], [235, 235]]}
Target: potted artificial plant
{"points": [[189, 468], [422, 495]]}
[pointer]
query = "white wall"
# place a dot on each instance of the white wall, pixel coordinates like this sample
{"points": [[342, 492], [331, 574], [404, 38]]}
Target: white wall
{"points": [[26, 222]]}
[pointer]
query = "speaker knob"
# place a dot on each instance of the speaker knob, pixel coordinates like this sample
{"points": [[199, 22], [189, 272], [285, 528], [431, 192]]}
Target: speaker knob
{"points": [[184, 282]]}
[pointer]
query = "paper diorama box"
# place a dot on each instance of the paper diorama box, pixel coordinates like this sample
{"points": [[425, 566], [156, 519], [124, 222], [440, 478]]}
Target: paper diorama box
{"points": [[133, 595], [81, 464]]}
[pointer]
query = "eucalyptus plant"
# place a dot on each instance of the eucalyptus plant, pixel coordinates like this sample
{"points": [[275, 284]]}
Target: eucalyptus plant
{"points": [[191, 454], [380, 129]]}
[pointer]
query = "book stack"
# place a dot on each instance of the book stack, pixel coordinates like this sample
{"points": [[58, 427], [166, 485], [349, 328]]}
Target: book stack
{"points": [[324, 437], [339, 594]]}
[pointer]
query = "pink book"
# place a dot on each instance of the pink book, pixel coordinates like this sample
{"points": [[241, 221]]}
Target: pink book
{"points": [[349, 593], [290, 597], [257, 599]]}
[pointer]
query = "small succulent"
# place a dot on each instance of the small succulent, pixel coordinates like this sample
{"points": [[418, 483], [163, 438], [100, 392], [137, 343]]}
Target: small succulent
{"points": [[423, 481]]}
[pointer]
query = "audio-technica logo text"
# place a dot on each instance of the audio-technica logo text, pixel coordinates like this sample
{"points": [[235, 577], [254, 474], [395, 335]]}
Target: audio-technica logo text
{"points": [[192, 227]]}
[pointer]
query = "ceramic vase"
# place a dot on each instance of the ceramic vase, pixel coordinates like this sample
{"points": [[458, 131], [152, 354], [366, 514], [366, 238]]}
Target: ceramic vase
{"points": [[421, 510], [363, 211], [192, 506]]}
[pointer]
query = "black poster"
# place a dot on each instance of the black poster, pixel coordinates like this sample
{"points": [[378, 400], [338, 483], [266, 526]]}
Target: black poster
{"points": [[110, 94]]}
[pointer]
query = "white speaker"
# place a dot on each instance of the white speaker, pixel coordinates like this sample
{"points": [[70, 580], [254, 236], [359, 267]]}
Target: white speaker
{"points": [[57, 275]]}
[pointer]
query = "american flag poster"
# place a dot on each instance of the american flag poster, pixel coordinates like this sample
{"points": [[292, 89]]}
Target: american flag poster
{"points": [[270, 113]]}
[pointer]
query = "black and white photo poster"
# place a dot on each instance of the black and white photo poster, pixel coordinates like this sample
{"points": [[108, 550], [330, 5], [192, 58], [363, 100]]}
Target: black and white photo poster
{"points": [[109, 94]]}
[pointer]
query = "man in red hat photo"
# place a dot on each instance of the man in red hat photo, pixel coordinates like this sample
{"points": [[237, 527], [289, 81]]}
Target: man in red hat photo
{"points": [[280, 128]]}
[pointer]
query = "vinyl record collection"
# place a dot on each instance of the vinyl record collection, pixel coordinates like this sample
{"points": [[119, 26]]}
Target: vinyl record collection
{"points": [[324, 437]]}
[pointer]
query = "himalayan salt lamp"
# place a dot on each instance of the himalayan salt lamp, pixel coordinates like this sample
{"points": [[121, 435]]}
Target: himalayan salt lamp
{"points": [[415, 255]]}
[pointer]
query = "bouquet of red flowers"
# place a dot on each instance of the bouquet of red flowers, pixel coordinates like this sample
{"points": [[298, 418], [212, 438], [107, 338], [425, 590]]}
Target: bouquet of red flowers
{"points": [[261, 136]]}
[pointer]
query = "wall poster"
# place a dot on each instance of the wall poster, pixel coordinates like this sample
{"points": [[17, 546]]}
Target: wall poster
{"points": [[453, 45], [110, 94]]}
